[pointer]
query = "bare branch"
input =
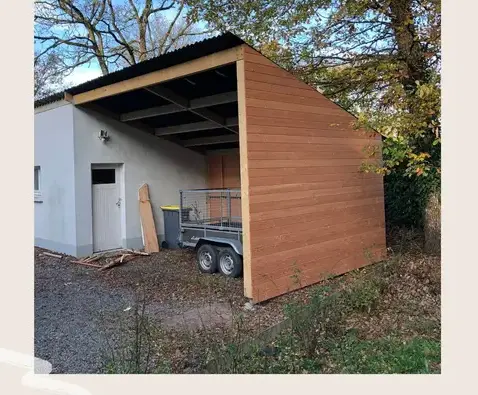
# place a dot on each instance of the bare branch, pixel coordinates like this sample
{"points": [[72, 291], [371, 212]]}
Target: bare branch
{"points": [[114, 34]]}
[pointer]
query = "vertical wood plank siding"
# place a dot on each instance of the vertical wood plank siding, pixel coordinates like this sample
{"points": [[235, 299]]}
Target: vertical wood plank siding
{"points": [[224, 172], [311, 212]]}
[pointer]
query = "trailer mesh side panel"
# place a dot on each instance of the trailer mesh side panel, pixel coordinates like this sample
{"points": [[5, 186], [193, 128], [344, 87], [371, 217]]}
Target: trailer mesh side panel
{"points": [[212, 208]]}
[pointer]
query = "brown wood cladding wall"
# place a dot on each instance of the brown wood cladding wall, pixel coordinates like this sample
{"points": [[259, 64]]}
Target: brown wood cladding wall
{"points": [[224, 172], [312, 213]]}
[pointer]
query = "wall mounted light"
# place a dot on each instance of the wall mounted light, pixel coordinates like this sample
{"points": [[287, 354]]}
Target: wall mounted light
{"points": [[103, 136]]}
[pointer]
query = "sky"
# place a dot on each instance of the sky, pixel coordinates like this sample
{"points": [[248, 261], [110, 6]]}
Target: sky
{"points": [[92, 70], [82, 74]]}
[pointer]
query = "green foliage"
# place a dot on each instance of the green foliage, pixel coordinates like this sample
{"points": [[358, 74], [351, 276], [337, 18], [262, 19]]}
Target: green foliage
{"points": [[406, 198], [368, 321], [313, 324], [284, 356], [348, 354], [319, 340], [316, 320], [365, 294], [411, 129], [360, 54], [386, 356]]}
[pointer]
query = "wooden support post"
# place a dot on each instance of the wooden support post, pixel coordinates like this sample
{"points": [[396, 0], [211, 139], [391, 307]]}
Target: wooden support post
{"points": [[244, 160]]}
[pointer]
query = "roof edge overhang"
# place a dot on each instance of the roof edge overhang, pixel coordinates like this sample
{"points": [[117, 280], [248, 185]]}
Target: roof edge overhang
{"points": [[199, 56], [202, 55], [190, 67]]}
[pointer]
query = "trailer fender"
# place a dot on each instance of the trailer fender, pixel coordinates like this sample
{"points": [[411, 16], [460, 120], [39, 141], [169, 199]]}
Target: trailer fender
{"points": [[235, 244]]}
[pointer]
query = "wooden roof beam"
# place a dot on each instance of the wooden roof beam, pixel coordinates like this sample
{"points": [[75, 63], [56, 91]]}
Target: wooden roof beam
{"points": [[194, 66]]}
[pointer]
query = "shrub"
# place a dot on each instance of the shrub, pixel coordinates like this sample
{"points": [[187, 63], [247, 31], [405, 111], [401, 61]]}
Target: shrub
{"points": [[406, 198]]}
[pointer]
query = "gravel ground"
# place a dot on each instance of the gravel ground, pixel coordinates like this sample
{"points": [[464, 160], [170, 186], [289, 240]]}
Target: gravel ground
{"points": [[78, 309], [74, 313]]}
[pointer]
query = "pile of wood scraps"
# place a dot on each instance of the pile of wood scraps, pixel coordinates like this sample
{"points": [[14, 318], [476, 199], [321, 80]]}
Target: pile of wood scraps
{"points": [[111, 259]]}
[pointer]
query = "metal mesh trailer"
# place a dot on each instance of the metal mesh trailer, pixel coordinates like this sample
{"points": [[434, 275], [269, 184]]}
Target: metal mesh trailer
{"points": [[210, 212], [210, 220]]}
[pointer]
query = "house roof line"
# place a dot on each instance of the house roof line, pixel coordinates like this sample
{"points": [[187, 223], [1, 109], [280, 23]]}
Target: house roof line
{"points": [[189, 52]]}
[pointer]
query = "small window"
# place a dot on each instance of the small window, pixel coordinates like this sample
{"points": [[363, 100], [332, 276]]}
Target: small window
{"points": [[37, 184], [103, 176], [36, 179]]}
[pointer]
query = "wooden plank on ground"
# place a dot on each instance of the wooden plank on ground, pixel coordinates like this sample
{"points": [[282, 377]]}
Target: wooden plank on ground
{"points": [[150, 238], [52, 255]]}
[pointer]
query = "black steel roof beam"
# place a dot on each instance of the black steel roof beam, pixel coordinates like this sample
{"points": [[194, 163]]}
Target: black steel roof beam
{"points": [[195, 127], [169, 95], [151, 112], [201, 102], [231, 138]]}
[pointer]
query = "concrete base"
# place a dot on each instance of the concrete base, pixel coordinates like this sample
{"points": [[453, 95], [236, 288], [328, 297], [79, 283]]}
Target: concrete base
{"points": [[86, 250], [55, 246]]}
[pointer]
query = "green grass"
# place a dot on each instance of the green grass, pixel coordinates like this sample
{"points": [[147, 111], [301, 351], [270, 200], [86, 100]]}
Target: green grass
{"points": [[386, 355], [346, 355]]}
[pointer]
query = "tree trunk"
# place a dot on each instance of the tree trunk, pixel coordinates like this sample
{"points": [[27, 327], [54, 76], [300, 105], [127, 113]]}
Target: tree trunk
{"points": [[409, 48], [98, 50], [412, 55], [432, 225], [142, 41]]}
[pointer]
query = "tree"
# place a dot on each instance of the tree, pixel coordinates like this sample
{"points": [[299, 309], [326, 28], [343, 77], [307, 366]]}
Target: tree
{"points": [[380, 59], [112, 33], [48, 76]]}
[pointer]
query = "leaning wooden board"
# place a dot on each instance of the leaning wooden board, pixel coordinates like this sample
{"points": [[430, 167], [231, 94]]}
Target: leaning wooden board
{"points": [[150, 238]]}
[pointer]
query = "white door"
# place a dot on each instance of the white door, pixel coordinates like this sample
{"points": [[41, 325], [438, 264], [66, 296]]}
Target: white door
{"points": [[106, 209]]}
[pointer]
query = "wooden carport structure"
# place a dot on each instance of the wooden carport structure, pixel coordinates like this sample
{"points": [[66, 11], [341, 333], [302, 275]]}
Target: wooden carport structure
{"points": [[308, 212]]}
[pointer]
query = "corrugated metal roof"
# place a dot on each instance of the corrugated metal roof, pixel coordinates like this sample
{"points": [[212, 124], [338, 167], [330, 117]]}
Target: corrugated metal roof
{"points": [[49, 99], [192, 51]]}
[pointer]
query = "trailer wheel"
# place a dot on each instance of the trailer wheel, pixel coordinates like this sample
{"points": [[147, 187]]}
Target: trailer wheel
{"points": [[230, 263], [206, 257]]}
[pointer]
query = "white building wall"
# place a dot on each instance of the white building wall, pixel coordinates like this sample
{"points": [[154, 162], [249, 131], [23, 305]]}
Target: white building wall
{"points": [[164, 166], [55, 220]]}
